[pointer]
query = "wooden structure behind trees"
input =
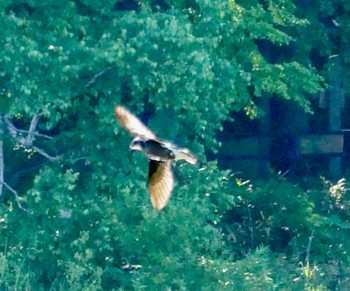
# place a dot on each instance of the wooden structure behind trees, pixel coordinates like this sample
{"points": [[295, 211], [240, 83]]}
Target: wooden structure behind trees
{"points": [[288, 141]]}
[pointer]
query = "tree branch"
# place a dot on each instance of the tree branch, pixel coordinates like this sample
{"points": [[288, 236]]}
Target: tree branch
{"points": [[18, 198], [35, 133], [28, 141], [46, 155], [308, 250], [11, 128], [30, 137], [98, 75]]}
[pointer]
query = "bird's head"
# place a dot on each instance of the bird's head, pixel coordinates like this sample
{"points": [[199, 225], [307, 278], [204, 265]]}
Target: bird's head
{"points": [[137, 144]]}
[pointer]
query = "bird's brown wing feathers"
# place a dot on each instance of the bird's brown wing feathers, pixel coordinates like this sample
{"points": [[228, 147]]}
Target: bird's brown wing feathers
{"points": [[160, 183], [132, 124]]}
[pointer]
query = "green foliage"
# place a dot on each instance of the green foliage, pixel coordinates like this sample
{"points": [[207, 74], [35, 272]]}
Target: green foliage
{"points": [[310, 227], [75, 212]]}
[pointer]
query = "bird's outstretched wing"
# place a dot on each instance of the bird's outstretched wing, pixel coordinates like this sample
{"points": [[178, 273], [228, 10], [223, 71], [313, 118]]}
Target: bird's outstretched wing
{"points": [[132, 124], [160, 183]]}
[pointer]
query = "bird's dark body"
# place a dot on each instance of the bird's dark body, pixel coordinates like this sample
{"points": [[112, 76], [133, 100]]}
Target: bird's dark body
{"points": [[156, 150]]}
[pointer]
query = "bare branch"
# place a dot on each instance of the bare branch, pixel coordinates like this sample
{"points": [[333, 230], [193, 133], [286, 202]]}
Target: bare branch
{"points": [[46, 155], [98, 75], [43, 135], [30, 137], [308, 250], [35, 133], [11, 128], [14, 130], [28, 142], [18, 198]]}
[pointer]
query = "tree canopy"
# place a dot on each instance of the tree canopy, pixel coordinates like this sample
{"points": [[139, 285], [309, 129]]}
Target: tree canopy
{"points": [[75, 212]]}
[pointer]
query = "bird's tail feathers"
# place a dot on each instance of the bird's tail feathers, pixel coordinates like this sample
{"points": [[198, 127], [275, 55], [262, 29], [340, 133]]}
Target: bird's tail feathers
{"points": [[186, 155]]}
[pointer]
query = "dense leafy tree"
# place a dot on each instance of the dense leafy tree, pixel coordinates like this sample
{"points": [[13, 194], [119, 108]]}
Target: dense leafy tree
{"points": [[75, 212]]}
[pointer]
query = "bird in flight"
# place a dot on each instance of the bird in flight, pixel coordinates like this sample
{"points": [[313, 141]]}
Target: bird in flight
{"points": [[159, 153]]}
